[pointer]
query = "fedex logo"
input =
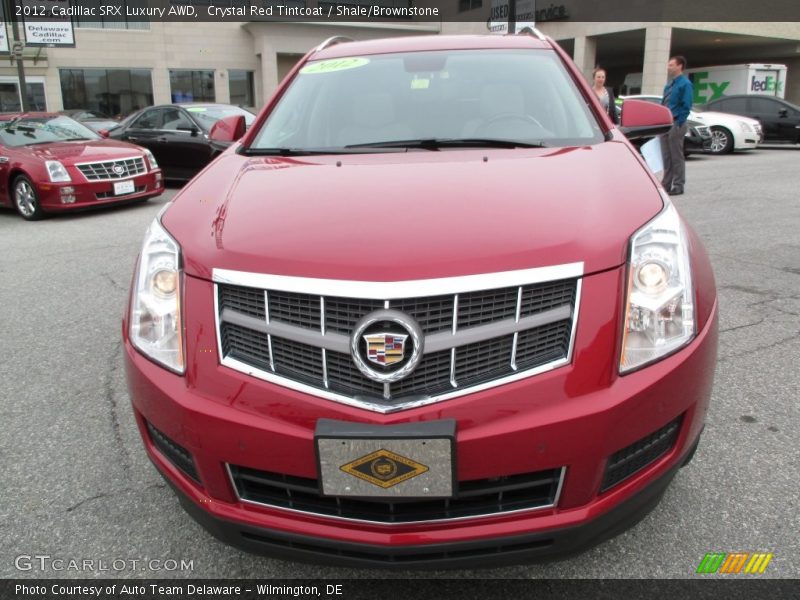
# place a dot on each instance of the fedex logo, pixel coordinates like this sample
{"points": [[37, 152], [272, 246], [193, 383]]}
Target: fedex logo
{"points": [[768, 84]]}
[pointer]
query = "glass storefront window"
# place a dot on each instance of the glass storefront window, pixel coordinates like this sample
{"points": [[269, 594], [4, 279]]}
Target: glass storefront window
{"points": [[192, 86], [115, 92], [241, 88], [10, 100]]}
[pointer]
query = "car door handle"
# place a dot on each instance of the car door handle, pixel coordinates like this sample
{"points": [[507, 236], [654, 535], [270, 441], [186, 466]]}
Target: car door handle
{"points": [[162, 139], [130, 138]]}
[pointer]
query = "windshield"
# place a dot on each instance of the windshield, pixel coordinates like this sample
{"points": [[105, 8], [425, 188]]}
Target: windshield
{"points": [[31, 130], [206, 116], [523, 96]]}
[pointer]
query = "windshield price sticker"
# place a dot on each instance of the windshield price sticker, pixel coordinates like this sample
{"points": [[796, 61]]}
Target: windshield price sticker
{"points": [[336, 64]]}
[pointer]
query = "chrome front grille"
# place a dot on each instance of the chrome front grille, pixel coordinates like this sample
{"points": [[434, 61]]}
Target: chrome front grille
{"points": [[113, 169], [474, 338]]}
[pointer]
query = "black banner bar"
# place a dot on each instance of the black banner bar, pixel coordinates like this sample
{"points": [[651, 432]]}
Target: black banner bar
{"points": [[744, 587]]}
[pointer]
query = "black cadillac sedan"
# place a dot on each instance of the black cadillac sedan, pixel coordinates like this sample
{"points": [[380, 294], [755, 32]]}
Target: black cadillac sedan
{"points": [[177, 134]]}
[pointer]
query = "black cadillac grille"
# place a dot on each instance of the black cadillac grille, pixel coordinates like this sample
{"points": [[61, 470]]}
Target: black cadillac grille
{"points": [[113, 169], [297, 309], [294, 355], [474, 498], [637, 456], [176, 454]]}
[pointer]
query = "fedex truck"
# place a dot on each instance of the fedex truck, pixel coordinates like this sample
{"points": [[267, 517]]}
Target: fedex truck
{"points": [[711, 83]]}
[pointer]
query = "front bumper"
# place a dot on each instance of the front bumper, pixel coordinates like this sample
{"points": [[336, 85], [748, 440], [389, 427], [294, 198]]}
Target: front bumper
{"points": [[576, 417], [89, 194]]}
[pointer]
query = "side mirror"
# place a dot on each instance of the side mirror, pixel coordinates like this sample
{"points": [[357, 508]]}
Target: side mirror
{"points": [[189, 129], [642, 119], [228, 130], [103, 133]]}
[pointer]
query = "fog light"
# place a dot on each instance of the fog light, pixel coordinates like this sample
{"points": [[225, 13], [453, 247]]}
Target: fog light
{"points": [[67, 195]]}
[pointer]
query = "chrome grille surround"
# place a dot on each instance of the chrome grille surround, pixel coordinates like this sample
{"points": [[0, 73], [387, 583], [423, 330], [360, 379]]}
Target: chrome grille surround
{"points": [[273, 340], [104, 170]]}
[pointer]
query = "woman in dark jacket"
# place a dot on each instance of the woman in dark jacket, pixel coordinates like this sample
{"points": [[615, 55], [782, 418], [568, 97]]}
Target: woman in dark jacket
{"points": [[604, 94]]}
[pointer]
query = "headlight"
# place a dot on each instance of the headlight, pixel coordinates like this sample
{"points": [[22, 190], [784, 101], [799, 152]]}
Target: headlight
{"points": [[150, 158], [745, 126], [659, 308], [57, 171], [156, 305]]}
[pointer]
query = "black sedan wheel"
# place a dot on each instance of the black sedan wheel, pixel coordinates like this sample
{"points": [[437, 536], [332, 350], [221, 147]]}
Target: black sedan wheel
{"points": [[721, 141], [26, 199]]}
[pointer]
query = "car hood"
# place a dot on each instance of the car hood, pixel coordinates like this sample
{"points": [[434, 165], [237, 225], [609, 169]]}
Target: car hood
{"points": [[79, 152], [415, 215]]}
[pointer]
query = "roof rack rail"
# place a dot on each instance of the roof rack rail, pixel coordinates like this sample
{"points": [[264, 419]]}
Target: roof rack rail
{"points": [[531, 31], [332, 41]]}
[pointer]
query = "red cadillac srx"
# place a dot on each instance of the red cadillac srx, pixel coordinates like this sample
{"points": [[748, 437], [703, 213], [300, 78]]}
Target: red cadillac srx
{"points": [[432, 310]]}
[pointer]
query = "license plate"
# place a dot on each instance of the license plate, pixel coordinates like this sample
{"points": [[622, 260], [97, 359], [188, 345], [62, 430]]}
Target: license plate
{"points": [[414, 460], [123, 187]]}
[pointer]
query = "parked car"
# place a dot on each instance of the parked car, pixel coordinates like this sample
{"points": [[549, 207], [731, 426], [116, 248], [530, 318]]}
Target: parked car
{"points": [[94, 120], [780, 119], [432, 310], [177, 134], [51, 163], [728, 132], [698, 138]]}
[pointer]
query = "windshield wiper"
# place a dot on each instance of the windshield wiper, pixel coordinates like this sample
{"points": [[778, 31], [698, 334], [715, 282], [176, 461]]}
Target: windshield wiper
{"points": [[437, 143], [300, 151], [77, 139]]}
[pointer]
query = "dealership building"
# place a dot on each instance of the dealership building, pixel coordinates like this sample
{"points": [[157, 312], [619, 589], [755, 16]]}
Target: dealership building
{"points": [[117, 66]]}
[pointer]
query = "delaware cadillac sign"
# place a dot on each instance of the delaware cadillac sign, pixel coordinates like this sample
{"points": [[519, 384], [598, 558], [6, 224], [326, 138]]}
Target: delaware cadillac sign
{"points": [[42, 26]]}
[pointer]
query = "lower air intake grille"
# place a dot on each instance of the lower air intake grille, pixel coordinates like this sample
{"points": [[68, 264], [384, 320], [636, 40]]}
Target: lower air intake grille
{"points": [[177, 455], [475, 498], [637, 456]]}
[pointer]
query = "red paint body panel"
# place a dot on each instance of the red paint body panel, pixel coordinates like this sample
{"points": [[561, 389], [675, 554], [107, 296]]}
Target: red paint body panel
{"points": [[310, 216]]}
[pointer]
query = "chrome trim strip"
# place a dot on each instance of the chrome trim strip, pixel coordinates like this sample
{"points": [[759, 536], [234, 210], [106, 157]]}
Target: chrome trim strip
{"points": [[332, 341], [480, 333], [514, 351], [560, 486], [394, 290], [351, 520], [269, 337], [453, 381], [325, 381], [217, 322], [124, 177], [362, 402]]}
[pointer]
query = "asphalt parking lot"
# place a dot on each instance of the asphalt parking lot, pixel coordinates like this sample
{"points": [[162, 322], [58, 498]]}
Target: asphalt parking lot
{"points": [[76, 484]]}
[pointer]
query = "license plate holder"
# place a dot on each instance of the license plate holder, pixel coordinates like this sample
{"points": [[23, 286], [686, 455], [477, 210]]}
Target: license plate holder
{"points": [[124, 187], [414, 460]]}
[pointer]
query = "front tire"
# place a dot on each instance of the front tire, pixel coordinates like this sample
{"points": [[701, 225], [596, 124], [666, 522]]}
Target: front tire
{"points": [[721, 141], [26, 200]]}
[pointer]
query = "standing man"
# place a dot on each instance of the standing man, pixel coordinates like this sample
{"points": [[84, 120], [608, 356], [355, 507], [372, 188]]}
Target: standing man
{"points": [[677, 97]]}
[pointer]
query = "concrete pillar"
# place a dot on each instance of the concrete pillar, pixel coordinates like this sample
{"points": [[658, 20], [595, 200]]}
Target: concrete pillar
{"points": [[657, 43], [586, 55], [269, 66]]}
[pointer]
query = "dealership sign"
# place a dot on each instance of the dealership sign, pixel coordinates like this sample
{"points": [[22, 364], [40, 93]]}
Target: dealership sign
{"points": [[42, 27], [524, 15], [3, 38]]}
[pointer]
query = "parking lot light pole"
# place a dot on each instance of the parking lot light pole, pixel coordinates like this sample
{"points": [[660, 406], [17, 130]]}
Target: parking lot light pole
{"points": [[8, 8]]}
